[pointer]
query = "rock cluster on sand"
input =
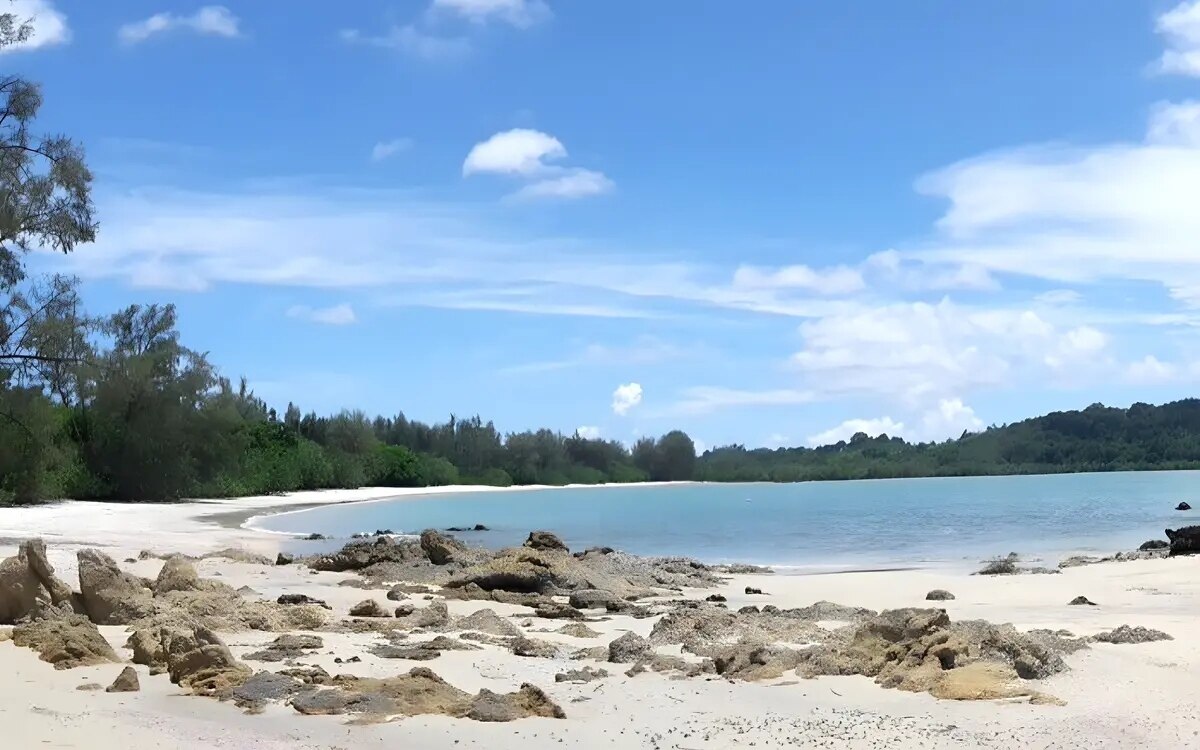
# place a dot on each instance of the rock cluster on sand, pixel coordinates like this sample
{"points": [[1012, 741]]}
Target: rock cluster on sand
{"points": [[66, 641], [628, 648], [1127, 634]]}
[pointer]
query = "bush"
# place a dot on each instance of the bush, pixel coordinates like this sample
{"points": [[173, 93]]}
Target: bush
{"points": [[434, 471]]}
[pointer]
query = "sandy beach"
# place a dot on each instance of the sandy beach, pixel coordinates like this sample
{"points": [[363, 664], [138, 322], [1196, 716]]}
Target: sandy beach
{"points": [[1111, 695]]}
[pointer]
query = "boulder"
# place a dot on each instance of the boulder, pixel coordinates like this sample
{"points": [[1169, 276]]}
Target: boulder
{"points": [[544, 540], [177, 574], [1126, 634], [27, 583], [368, 608], [593, 599], [751, 591], [715, 598], [439, 548], [527, 702], [1081, 600], [939, 595], [578, 630], [200, 661], [1184, 541], [487, 621], [284, 558], [534, 648], [110, 596], [1183, 506], [66, 641], [126, 682], [552, 610], [755, 661], [360, 554], [300, 599], [628, 649], [402, 591], [1154, 544], [286, 647]]}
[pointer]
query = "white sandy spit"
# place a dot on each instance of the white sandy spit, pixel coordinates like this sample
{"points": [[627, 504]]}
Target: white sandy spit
{"points": [[1124, 696]]}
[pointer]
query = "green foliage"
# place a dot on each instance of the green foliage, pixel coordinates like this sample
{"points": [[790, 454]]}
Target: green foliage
{"points": [[435, 471], [395, 466]]}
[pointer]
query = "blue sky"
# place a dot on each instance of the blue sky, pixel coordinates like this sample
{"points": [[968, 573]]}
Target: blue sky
{"points": [[767, 223]]}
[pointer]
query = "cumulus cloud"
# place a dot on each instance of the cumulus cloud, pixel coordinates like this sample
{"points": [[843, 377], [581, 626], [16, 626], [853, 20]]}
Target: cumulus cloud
{"points": [[337, 315], [625, 397], [1150, 370], [47, 25], [950, 419], [387, 149], [851, 427], [588, 432], [1181, 27], [210, 20], [519, 13], [529, 154]]}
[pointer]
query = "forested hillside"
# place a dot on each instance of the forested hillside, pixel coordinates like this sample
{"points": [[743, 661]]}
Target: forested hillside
{"points": [[117, 407]]}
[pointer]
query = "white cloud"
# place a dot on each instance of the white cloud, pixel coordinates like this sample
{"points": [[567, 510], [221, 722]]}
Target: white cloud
{"points": [[625, 397], [851, 427], [588, 432], [527, 153], [1175, 124], [576, 183], [1181, 27], [210, 20], [337, 315], [414, 42], [1059, 297], [519, 13], [387, 149], [1150, 371], [836, 280], [1076, 345], [48, 26], [949, 419], [645, 350], [707, 399], [520, 151]]}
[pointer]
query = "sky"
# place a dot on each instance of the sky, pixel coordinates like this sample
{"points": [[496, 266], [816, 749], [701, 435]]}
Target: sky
{"points": [[769, 223]]}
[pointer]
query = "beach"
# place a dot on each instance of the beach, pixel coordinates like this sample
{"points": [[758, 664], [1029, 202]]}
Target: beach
{"points": [[1110, 695]]}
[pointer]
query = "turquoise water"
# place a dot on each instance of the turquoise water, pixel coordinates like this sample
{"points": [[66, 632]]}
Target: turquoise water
{"points": [[814, 525]]}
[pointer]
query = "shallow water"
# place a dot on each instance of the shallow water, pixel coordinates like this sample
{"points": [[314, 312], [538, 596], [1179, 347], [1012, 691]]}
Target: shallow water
{"points": [[810, 527]]}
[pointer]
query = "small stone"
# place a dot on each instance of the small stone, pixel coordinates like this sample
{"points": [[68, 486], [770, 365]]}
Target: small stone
{"points": [[368, 608], [751, 591], [1080, 600], [939, 595]]}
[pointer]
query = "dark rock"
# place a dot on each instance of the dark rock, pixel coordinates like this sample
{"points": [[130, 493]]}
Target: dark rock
{"points": [[284, 559], [360, 554], [439, 548], [750, 590], [263, 688], [715, 598], [315, 537], [351, 660], [1081, 600], [1126, 634], [286, 647], [301, 599], [552, 610], [1154, 544], [544, 540], [628, 649], [368, 608], [126, 682], [480, 527], [939, 595], [414, 652], [404, 610], [592, 599], [1184, 541], [749, 609], [1183, 506], [402, 591], [384, 532], [595, 551]]}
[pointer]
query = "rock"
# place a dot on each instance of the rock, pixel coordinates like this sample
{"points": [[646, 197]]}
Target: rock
{"points": [[544, 540], [1183, 506], [110, 596], [534, 648], [552, 610], [368, 608], [1080, 600], [66, 641], [284, 558], [404, 610], [1154, 544], [487, 621], [403, 590], [1184, 541], [286, 647], [1126, 634], [593, 599], [263, 688], [751, 591], [715, 598], [939, 595], [578, 630], [1000, 566], [480, 527], [361, 554], [200, 661], [441, 549], [177, 574], [126, 682], [751, 661], [28, 582], [89, 687], [315, 538], [300, 599], [527, 702], [587, 674], [414, 652], [628, 648], [743, 569], [594, 551]]}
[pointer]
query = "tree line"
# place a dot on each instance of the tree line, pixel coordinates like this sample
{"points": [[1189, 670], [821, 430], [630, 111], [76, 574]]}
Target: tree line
{"points": [[116, 407]]}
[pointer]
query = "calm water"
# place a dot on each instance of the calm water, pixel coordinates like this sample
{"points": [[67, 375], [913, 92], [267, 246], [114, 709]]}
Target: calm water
{"points": [[815, 525]]}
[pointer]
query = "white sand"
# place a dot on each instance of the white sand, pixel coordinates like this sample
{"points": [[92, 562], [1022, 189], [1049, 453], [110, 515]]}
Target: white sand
{"points": [[1116, 696]]}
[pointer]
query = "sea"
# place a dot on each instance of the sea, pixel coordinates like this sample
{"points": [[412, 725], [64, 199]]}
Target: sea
{"points": [[809, 527]]}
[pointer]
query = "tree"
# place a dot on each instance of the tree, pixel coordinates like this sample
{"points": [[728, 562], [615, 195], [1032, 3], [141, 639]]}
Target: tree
{"points": [[676, 458]]}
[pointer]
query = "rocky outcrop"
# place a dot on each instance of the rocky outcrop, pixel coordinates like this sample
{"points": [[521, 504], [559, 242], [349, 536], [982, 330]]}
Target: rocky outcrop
{"points": [[109, 595], [1154, 544], [1183, 506], [126, 682], [301, 599], [1184, 541], [200, 661], [1126, 634], [177, 574], [594, 599], [751, 661], [487, 621], [441, 549], [578, 630], [287, 647], [28, 582], [939, 595], [284, 558], [628, 649], [587, 674], [358, 555], [369, 608], [66, 641], [534, 648], [544, 540], [528, 702]]}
